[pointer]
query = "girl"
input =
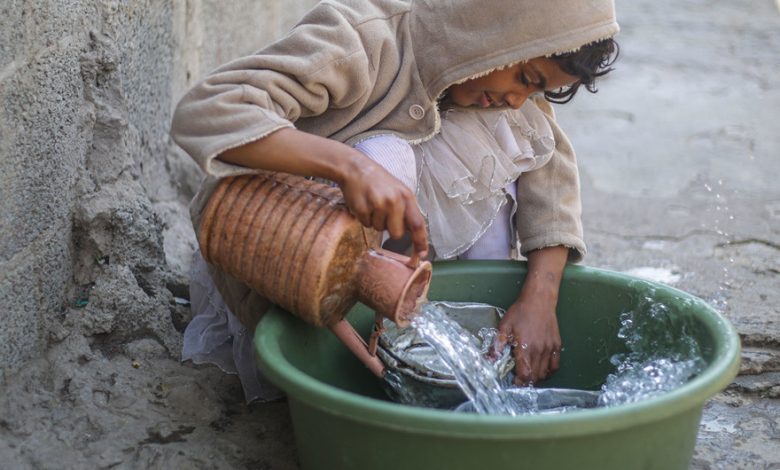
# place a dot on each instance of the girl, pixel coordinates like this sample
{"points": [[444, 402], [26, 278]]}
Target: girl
{"points": [[354, 70]]}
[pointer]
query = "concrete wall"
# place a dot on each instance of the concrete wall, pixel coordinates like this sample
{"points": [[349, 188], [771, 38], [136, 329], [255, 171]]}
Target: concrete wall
{"points": [[94, 237]]}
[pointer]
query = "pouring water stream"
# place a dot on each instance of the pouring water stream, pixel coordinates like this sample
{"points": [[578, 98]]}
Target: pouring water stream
{"points": [[661, 356]]}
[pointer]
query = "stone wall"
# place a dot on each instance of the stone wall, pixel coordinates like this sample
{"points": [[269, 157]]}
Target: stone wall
{"points": [[94, 237]]}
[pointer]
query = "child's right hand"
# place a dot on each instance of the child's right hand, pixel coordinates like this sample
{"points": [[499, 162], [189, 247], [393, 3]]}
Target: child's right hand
{"points": [[379, 200]]}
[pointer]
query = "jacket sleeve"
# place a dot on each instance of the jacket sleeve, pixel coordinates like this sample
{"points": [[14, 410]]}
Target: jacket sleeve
{"points": [[319, 64], [549, 208]]}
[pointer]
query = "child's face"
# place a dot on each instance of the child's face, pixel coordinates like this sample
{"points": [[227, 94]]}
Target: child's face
{"points": [[511, 86]]}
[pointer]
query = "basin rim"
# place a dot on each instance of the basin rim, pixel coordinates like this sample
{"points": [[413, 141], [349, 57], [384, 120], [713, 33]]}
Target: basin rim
{"points": [[410, 419]]}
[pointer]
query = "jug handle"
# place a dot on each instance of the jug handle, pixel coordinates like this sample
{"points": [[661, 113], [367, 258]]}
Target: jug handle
{"points": [[357, 345], [414, 260], [379, 328]]}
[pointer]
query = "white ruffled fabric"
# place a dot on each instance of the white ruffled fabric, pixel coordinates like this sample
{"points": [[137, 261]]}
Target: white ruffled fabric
{"points": [[466, 168], [215, 336]]}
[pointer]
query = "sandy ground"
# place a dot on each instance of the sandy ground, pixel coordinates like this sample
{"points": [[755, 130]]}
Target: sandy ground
{"points": [[679, 158]]}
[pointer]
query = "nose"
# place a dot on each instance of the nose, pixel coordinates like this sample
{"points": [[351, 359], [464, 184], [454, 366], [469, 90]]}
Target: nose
{"points": [[515, 100]]}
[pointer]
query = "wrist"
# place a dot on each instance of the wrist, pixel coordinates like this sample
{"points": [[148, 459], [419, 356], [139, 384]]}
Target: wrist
{"points": [[545, 271], [347, 163], [545, 286]]}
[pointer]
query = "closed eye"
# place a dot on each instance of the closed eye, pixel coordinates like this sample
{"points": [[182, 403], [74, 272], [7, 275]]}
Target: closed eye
{"points": [[540, 84], [524, 79]]}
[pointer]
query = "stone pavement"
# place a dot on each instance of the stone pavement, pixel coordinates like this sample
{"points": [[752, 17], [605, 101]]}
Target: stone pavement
{"points": [[679, 155]]}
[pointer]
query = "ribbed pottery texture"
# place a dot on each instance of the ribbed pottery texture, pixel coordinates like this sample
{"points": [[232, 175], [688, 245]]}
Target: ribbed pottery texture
{"points": [[289, 238]]}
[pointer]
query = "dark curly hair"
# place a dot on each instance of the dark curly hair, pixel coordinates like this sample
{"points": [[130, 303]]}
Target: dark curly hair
{"points": [[587, 63]]}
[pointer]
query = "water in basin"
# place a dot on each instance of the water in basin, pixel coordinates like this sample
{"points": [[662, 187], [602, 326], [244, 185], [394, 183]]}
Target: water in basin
{"points": [[661, 356]]}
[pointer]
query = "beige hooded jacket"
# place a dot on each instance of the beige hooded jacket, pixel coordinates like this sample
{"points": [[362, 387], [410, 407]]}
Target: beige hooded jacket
{"points": [[354, 68]]}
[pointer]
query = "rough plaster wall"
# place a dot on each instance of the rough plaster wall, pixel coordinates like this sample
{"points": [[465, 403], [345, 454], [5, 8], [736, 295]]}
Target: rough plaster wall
{"points": [[44, 140], [94, 237]]}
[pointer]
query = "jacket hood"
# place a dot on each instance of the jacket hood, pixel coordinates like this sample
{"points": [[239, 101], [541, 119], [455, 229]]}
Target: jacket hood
{"points": [[455, 40]]}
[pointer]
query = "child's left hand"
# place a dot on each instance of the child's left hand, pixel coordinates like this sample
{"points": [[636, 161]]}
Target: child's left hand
{"points": [[530, 324], [531, 327]]}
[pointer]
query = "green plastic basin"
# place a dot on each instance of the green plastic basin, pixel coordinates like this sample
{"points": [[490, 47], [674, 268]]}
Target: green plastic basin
{"points": [[342, 419]]}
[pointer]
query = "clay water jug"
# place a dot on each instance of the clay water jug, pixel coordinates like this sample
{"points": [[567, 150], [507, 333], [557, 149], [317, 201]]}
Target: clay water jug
{"points": [[295, 242]]}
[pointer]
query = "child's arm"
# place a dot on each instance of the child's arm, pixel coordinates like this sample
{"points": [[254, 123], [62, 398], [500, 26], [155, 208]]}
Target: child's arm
{"points": [[551, 212], [550, 231], [373, 195], [531, 322]]}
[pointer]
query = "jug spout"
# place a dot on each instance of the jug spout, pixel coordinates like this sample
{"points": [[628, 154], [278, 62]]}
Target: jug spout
{"points": [[392, 284]]}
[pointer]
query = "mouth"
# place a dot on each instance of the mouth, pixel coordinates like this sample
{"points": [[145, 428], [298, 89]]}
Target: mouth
{"points": [[487, 101]]}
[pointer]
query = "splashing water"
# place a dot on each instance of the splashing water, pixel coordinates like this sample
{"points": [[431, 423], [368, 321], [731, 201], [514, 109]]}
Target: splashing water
{"points": [[723, 221], [662, 356], [460, 350]]}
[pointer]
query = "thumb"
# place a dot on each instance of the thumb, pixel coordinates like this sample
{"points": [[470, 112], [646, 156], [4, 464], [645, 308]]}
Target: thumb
{"points": [[499, 343]]}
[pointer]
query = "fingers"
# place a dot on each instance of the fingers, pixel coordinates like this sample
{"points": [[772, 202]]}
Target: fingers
{"points": [[539, 361], [523, 371], [395, 223], [415, 223], [499, 342], [534, 363], [396, 218], [361, 211], [378, 219], [555, 359], [387, 204]]}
